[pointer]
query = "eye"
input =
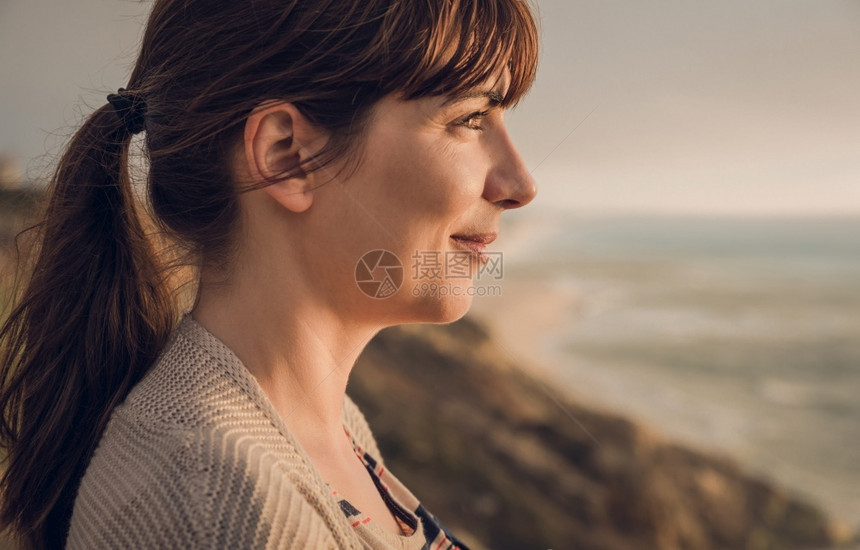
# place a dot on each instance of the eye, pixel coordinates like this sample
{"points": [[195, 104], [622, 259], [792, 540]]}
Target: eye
{"points": [[473, 121]]}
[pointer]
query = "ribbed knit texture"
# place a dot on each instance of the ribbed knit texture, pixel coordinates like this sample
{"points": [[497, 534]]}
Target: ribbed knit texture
{"points": [[197, 457]]}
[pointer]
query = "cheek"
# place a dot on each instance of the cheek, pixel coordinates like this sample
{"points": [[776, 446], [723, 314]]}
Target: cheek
{"points": [[439, 181]]}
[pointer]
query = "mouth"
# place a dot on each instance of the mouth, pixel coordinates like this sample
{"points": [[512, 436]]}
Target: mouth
{"points": [[476, 243]]}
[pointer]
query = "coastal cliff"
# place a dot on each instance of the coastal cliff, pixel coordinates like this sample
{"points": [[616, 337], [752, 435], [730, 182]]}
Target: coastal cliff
{"points": [[508, 462]]}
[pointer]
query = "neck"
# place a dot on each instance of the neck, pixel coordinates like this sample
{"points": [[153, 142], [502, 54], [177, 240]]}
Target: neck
{"points": [[300, 351]]}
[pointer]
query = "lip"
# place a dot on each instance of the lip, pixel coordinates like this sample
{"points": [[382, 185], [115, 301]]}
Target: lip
{"points": [[475, 243], [478, 238]]}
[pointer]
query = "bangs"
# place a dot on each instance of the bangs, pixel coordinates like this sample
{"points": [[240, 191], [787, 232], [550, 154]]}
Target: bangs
{"points": [[468, 42]]}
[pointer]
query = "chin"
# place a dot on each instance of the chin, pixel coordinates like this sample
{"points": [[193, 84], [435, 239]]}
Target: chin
{"points": [[440, 310]]}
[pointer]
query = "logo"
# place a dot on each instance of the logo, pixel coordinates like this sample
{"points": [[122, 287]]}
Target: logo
{"points": [[379, 273]]}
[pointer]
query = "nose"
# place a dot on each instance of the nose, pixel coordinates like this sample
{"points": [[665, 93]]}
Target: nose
{"points": [[509, 183]]}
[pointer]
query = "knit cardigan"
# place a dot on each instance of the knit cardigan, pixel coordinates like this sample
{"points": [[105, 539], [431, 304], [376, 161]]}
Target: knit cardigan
{"points": [[197, 457]]}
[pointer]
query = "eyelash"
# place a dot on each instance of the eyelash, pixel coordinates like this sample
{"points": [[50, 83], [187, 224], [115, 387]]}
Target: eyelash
{"points": [[479, 115]]}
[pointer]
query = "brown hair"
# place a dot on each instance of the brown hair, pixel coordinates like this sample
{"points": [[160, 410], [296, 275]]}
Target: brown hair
{"points": [[97, 308]]}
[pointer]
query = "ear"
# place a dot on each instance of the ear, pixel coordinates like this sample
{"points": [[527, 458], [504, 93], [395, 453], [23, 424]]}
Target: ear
{"points": [[277, 139]]}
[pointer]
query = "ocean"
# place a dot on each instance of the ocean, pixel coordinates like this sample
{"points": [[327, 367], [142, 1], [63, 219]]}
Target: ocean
{"points": [[737, 335]]}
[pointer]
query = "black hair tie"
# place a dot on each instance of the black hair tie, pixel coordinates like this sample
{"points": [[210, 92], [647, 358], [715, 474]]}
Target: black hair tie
{"points": [[130, 108]]}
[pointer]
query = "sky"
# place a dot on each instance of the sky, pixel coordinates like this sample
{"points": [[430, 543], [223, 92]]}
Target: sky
{"points": [[649, 106]]}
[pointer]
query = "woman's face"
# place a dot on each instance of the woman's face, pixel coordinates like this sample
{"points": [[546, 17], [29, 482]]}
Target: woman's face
{"points": [[434, 177]]}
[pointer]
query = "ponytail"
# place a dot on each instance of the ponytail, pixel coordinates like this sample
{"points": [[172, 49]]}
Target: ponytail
{"points": [[89, 323]]}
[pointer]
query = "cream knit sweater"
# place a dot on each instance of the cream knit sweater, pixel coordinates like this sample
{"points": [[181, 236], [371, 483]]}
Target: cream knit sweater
{"points": [[197, 457]]}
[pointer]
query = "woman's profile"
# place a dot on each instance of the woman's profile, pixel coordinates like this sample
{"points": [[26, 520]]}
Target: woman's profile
{"points": [[284, 140]]}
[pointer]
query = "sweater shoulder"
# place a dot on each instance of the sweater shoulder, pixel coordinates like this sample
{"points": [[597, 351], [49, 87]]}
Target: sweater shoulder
{"points": [[188, 460], [153, 485], [139, 486]]}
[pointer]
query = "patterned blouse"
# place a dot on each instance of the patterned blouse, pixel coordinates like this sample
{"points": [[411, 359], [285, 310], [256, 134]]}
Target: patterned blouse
{"points": [[407, 511]]}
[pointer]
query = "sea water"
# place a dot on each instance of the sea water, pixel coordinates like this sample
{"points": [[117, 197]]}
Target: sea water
{"points": [[738, 335]]}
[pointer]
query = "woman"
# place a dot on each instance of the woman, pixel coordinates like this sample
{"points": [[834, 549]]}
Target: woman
{"points": [[285, 140]]}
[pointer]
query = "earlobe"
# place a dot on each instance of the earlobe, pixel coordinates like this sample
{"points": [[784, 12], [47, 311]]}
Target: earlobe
{"points": [[274, 150]]}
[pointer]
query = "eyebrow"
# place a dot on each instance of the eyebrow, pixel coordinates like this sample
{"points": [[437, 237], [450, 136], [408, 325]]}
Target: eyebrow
{"points": [[494, 97]]}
